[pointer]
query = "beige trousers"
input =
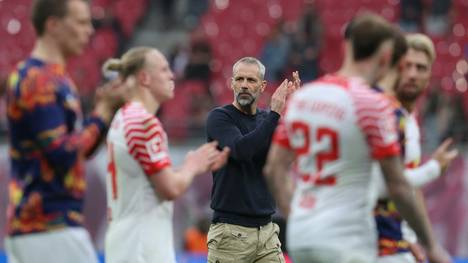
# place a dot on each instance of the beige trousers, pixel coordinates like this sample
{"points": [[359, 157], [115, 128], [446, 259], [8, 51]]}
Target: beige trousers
{"points": [[233, 243]]}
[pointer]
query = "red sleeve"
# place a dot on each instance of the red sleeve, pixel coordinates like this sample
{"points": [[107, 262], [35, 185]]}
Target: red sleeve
{"points": [[377, 121], [280, 136], [147, 143]]}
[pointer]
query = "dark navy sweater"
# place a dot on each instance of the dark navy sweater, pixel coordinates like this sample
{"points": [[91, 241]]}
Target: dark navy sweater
{"points": [[240, 195]]}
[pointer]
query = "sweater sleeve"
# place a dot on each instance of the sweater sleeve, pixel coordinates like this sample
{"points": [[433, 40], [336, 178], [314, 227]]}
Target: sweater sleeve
{"points": [[222, 128]]}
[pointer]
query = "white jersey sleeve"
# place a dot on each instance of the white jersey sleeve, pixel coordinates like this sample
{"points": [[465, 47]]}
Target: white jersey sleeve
{"points": [[146, 142], [377, 121]]}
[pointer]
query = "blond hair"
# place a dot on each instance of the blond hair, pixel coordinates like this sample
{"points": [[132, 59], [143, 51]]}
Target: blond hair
{"points": [[422, 43], [130, 63]]}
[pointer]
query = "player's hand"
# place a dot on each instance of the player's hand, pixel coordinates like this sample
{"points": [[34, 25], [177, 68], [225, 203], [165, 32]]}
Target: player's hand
{"points": [[438, 255], [205, 157], [418, 252], [221, 160], [111, 96], [278, 99], [443, 155], [296, 81]]}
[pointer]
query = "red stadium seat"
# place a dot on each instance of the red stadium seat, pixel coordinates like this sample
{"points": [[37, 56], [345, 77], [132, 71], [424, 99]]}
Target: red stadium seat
{"points": [[104, 43]]}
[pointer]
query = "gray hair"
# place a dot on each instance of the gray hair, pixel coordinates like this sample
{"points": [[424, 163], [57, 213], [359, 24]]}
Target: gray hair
{"points": [[250, 60]]}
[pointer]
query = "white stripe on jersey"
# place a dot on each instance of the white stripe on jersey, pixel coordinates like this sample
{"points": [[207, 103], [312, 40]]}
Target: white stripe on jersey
{"points": [[146, 139]]}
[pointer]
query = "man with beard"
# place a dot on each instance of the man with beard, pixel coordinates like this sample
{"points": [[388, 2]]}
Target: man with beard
{"points": [[393, 247], [395, 237], [334, 130], [240, 198]]}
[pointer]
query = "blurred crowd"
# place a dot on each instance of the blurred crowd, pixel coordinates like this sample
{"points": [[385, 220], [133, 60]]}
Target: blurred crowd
{"points": [[289, 46]]}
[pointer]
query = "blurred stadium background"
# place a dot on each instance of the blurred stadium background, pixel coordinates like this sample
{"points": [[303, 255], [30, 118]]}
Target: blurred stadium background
{"points": [[202, 39]]}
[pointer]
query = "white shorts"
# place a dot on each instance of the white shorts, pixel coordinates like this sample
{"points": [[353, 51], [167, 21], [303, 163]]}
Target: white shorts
{"points": [[398, 258], [329, 255], [71, 245], [146, 240]]}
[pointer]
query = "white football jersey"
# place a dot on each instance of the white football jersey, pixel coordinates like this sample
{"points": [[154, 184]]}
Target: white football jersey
{"points": [[336, 126], [140, 223]]}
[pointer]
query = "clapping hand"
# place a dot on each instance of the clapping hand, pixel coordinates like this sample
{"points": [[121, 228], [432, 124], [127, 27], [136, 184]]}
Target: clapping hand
{"points": [[296, 80]]}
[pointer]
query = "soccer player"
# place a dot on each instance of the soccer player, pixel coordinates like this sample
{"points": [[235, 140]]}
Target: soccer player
{"points": [[49, 140], [242, 229], [395, 237], [142, 181], [334, 129]]}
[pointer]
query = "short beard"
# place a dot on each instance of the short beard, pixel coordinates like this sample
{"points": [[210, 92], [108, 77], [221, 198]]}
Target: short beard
{"points": [[404, 96], [408, 97], [245, 104]]}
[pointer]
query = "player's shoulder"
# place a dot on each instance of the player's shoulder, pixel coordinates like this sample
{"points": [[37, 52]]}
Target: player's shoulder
{"points": [[218, 109], [133, 114], [33, 82], [329, 81], [221, 113], [364, 96], [134, 109], [222, 109], [328, 87], [38, 72]]}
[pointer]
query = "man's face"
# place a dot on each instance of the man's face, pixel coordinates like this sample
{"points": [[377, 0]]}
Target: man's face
{"points": [[247, 85], [415, 75], [75, 29], [161, 78]]}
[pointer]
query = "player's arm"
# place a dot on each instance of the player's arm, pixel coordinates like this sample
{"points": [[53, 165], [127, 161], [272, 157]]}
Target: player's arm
{"points": [[171, 183], [382, 139], [62, 149], [410, 206], [431, 170], [404, 196], [417, 177], [109, 98], [423, 174], [45, 118], [276, 172], [220, 127]]}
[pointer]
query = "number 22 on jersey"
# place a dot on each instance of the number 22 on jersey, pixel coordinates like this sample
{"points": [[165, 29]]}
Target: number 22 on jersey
{"points": [[304, 143]]}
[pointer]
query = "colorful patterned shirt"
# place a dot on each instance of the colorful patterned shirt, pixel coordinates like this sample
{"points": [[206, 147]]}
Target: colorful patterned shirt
{"points": [[388, 219], [48, 144]]}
